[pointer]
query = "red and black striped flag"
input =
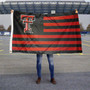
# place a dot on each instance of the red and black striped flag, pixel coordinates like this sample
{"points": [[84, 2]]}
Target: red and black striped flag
{"points": [[46, 33]]}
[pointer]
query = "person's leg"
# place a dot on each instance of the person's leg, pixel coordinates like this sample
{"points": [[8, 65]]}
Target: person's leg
{"points": [[51, 67], [51, 64], [38, 67]]}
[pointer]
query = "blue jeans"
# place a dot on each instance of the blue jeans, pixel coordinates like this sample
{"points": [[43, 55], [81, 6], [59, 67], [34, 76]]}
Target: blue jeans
{"points": [[51, 64]]}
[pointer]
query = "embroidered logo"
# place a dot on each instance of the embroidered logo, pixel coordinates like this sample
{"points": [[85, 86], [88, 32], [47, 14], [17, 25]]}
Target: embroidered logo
{"points": [[28, 20]]}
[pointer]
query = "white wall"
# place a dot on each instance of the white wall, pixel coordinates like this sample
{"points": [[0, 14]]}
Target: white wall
{"points": [[84, 19], [5, 20]]}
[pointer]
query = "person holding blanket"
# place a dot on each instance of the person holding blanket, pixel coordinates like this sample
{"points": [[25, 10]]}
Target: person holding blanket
{"points": [[51, 64]]}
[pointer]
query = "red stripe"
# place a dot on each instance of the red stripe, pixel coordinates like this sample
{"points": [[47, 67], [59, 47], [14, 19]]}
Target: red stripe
{"points": [[61, 17], [46, 36], [61, 24], [45, 49], [46, 42], [62, 30]]}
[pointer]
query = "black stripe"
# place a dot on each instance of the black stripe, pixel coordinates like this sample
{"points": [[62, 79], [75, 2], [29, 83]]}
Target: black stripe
{"points": [[57, 33], [36, 45], [62, 33], [48, 52], [45, 39], [62, 27], [50, 33], [57, 21]]}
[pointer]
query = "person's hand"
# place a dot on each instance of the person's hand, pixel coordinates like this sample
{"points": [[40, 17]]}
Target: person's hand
{"points": [[76, 11], [12, 11]]}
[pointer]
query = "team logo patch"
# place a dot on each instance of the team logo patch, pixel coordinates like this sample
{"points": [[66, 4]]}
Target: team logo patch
{"points": [[28, 20]]}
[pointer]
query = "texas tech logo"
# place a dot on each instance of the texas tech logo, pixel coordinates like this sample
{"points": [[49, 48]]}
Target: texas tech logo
{"points": [[28, 20]]}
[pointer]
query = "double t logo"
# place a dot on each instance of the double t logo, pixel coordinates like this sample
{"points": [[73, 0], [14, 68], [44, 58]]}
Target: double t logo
{"points": [[27, 20]]}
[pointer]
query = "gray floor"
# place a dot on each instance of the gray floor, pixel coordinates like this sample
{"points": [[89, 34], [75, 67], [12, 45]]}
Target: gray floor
{"points": [[18, 70], [65, 81]]}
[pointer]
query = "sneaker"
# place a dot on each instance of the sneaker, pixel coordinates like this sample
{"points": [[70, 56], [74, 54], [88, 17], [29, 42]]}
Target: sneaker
{"points": [[53, 81], [38, 81]]}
